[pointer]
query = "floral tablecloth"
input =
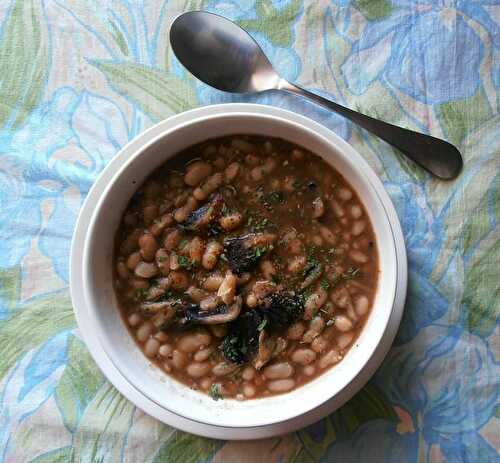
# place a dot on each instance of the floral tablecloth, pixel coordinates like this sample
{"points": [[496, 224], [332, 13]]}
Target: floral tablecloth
{"points": [[80, 78]]}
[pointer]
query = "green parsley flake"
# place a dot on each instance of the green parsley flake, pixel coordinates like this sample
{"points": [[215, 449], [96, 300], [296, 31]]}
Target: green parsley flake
{"points": [[324, 284], [215, 392], [262, 324], [184, 262]]}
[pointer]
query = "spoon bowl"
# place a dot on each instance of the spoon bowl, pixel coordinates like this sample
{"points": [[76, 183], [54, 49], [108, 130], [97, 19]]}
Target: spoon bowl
{"points": [[221, 54]]}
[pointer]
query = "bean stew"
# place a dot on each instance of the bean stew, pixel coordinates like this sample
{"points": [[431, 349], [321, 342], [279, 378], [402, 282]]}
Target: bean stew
{"points": [[245, 267]]}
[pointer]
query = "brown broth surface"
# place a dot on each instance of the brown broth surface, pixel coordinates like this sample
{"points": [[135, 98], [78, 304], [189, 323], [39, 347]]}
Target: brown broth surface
{"points": [[306, 264]]}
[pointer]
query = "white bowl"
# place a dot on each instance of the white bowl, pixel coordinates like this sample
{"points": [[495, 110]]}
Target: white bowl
{"points": [[115, 350]]}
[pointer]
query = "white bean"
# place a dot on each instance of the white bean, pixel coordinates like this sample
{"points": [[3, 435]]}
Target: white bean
{"points": [[165, 350], [304, 356], [122, 270], [205, 384], [197, 370], [327, 235], [151, 347], [249, 391], [319, 344], [193, 341], [196, 172], [178, 280], [231, 171], [358, 227], [133, 260], [196, 249], [211, 254], [134, 319], [179, 360], [248, 373], [172, 240], [211, 184], [278, 371], [231, 221], [281, 385], [196, 294], [309, 370], [343, 323], [149, 246], [330, 358], [317, 324], [161, 336], [182, 213], [223, 369], [160, 224], [213, 282], [219, 331], [146, 270], [344, 194], [318, 208], [251, 300], [210, 302], [203, 354], [358, 256], [314, 302], [257, 173], [361, 304], [344, 340], [227, 289], [356, 211], [337, 209], [144, 331]]}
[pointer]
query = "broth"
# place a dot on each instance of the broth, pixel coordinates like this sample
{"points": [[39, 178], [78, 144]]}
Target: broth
{"points": [[245, 267]]}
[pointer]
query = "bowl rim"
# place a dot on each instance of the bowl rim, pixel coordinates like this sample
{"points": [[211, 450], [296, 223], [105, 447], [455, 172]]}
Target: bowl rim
{"points": [[230, 110]]}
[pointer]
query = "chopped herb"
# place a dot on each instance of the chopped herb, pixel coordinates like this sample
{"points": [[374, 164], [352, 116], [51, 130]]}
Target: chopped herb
{"points": [[183, 243], [349, 274], [297, 184], [352, 272], [276, 197], [324, 283], [215, 391], [311, 251], [262, 324], [185, 263], [260, 252], [140, 294], [162, 259]]}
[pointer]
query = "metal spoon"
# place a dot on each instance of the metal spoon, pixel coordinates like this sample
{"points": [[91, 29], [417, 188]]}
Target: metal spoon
{"points": [[223, 55]]}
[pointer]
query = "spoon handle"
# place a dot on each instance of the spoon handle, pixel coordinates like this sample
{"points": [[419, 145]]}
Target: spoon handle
{"points": [[433, 154]]}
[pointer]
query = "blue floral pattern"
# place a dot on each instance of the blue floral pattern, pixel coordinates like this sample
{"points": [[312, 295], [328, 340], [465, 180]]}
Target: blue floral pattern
{"points": [[79, 79]]}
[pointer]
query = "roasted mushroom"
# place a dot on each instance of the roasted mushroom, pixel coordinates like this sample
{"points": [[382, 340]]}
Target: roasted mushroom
{"points": [[243, 252], [221, 314], [205, 215]]}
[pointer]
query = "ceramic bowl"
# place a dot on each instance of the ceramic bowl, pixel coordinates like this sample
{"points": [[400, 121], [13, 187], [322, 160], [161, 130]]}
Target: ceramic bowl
{"points": [[92, 276]]}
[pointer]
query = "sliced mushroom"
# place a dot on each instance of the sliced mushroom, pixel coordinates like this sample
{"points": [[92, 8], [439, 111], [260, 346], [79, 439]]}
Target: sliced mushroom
{"points": [[267, 345], [205, 215], [243, 252], [221, 314], [312, 273]]}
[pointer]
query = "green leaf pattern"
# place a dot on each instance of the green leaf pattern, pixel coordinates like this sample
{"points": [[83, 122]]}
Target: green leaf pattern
{"points": [[80, 78]]}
